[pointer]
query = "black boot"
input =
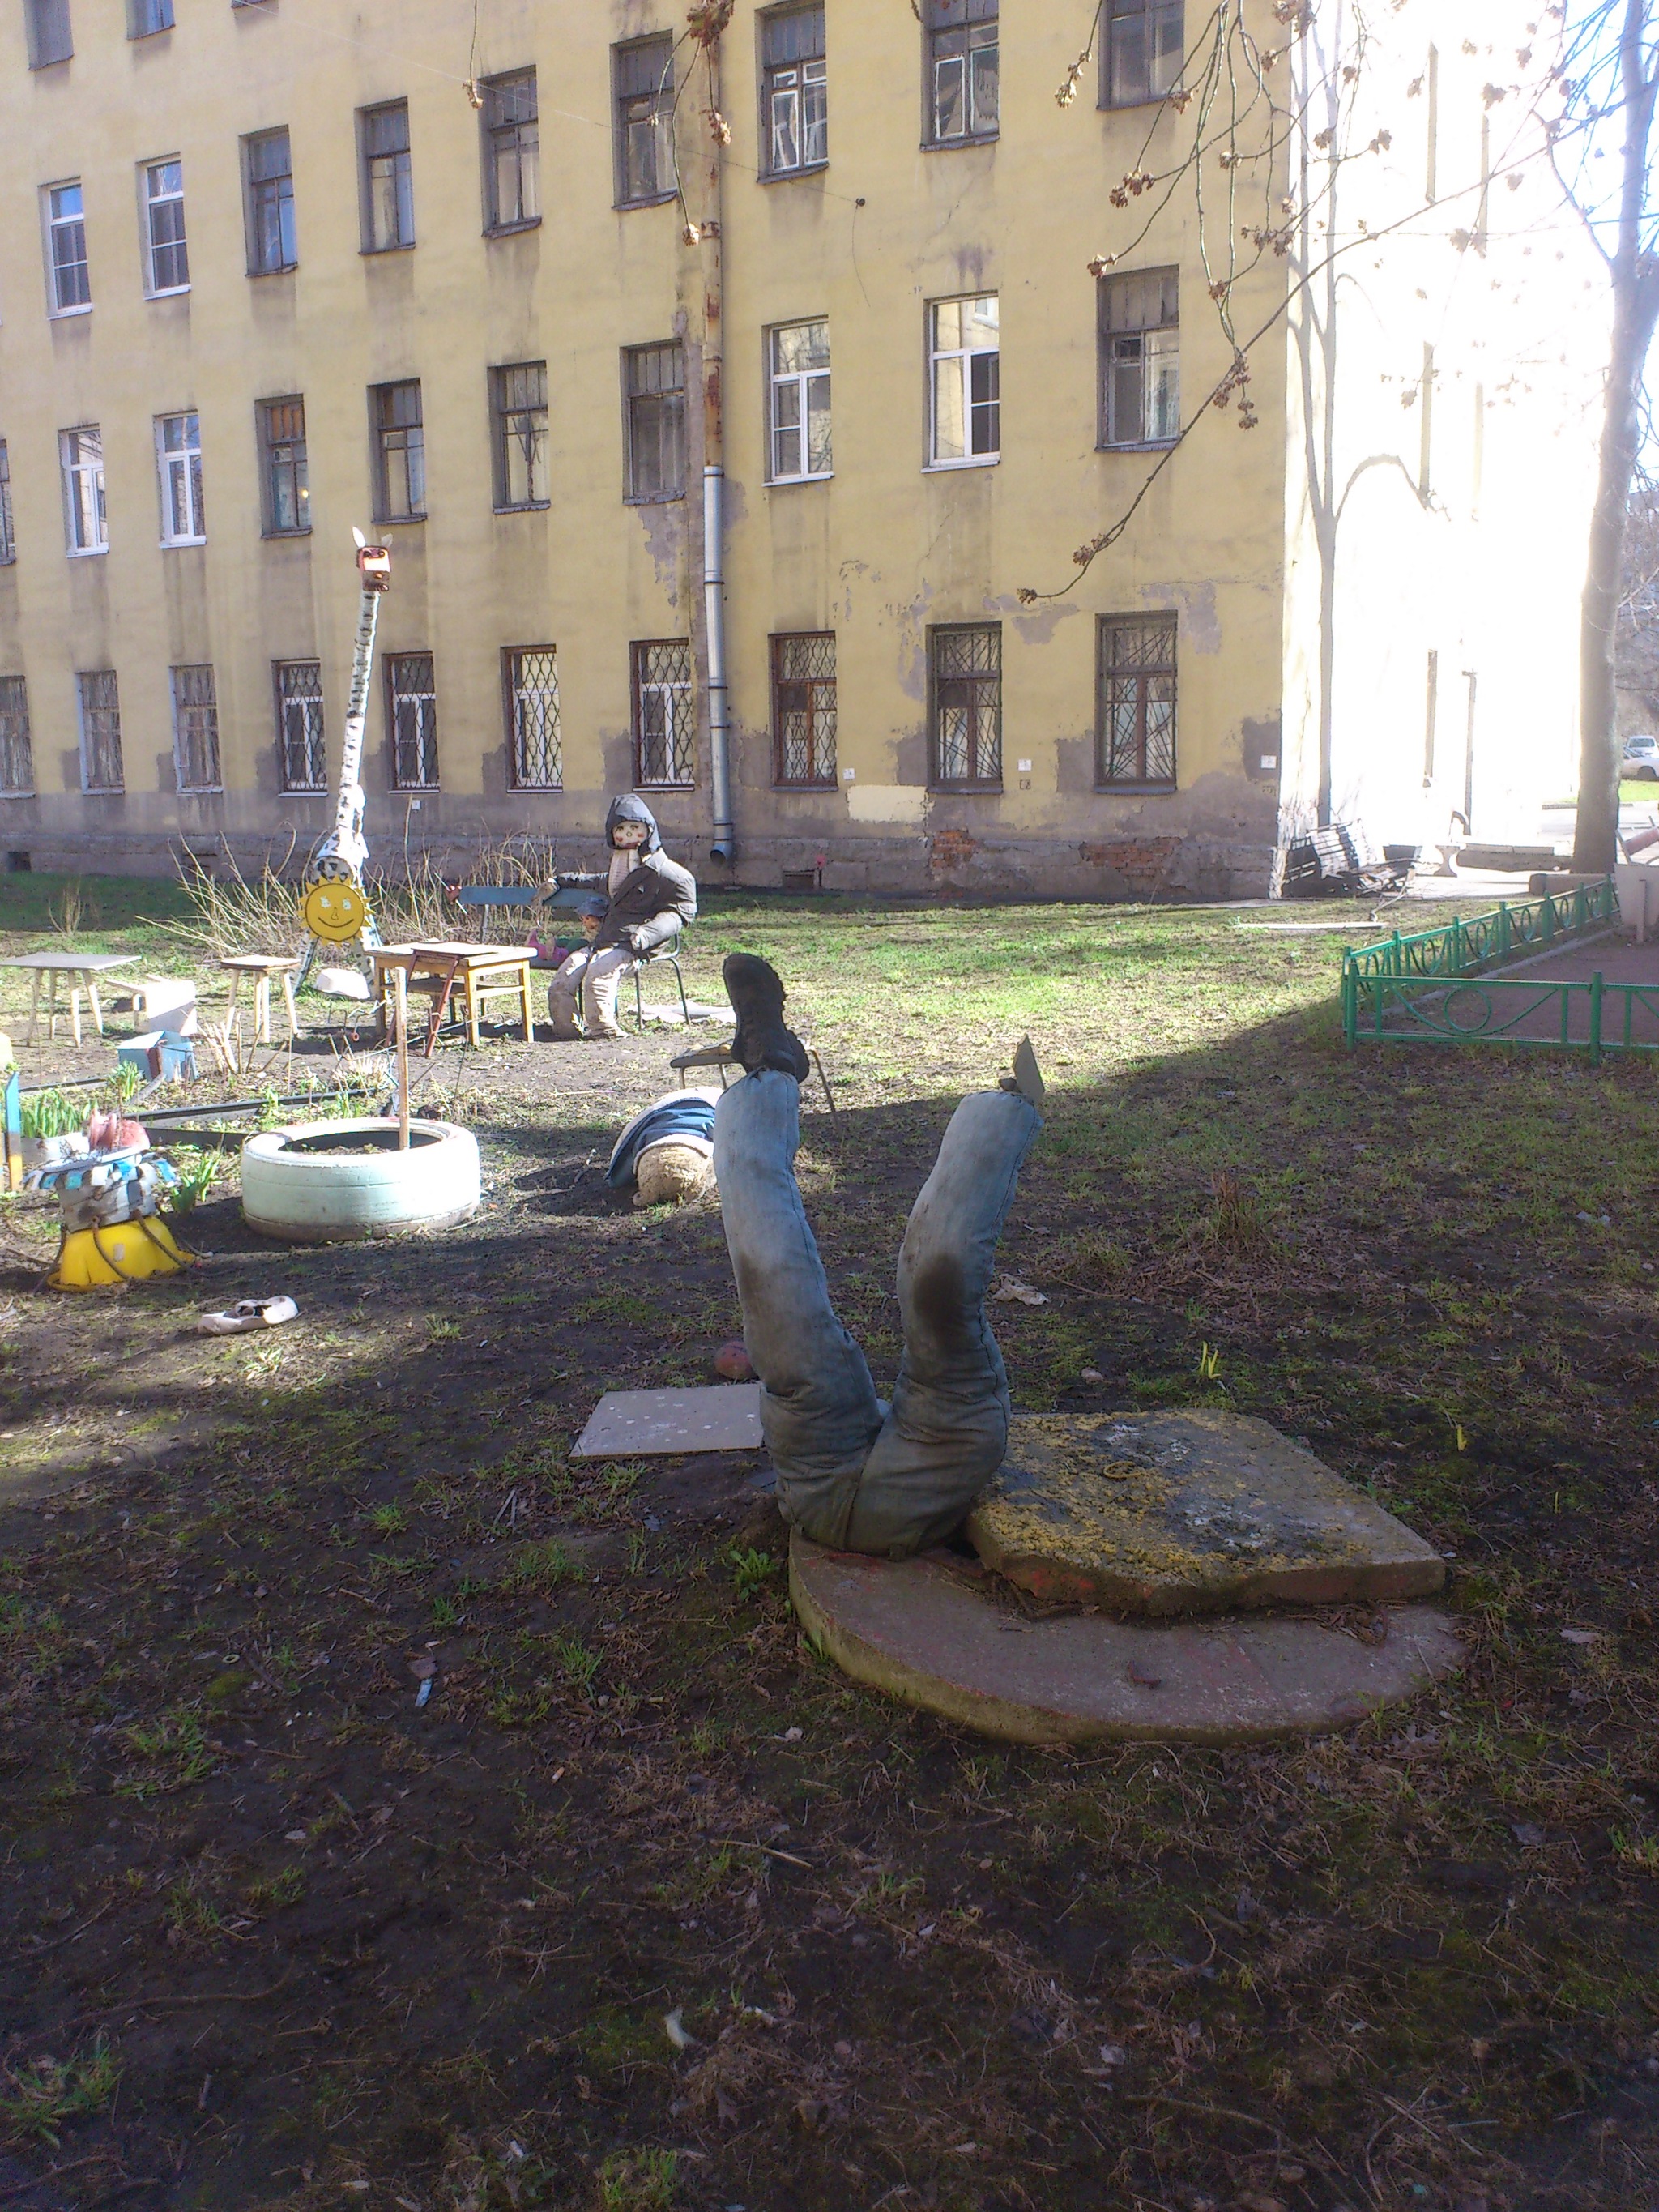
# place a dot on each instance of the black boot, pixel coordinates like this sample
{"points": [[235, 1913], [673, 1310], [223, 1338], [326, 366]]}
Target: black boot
{"points": [[756, 997]]}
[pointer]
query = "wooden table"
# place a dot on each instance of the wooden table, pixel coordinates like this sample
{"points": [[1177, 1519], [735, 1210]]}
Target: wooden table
{"points": [[74, 966], [261, 966], [440, 971]]}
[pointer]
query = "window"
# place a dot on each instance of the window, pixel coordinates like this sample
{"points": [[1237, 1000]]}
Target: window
{"points": [[101, 731], [655, 382], [517, 407], [511, 156], [665, 736], [48, 26], [388, 187], [7, 542], [178, 462], [794, 97], [966, 669], [966, 382], [272, 245], [962, 71], [16, 752], [300, 725], [533, 717], [66, 249], [804, 710], [166, 260], [282, 449], [1137, 699], [196, 730], [412, 714], [399, 452], [1143, 56], [146, 17], [800, 401], [643, 74], [1140, 359], [86, 523]]}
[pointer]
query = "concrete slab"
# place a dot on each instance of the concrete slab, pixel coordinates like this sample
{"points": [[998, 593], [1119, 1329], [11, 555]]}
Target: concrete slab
{"points": [[647, 1424], [919, 1630], [1187, 1512]]}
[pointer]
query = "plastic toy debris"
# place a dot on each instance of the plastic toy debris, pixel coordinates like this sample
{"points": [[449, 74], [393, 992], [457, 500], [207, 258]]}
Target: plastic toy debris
{"points": [[248, 1314], [109, 1202]]}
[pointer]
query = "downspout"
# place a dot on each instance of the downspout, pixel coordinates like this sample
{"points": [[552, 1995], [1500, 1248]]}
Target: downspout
{"points": [[714, 18]]}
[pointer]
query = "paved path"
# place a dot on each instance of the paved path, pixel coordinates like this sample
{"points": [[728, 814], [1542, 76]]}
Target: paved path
{"points": [[1523, 1002]]}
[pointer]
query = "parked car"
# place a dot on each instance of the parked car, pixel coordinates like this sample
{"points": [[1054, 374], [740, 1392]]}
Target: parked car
{"points": [[1641, 758]]}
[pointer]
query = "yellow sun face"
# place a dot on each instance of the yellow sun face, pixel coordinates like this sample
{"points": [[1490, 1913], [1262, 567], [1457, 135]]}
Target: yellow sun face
{"points": [[334, 912]]}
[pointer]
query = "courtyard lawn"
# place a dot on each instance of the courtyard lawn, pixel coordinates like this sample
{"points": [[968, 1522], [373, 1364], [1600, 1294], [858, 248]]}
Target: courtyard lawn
{"points": [[648, 1907]]}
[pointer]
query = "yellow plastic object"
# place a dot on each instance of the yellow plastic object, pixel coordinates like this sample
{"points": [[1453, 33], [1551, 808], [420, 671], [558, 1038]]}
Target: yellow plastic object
{"points": [[334, 912], [102, 1259]]}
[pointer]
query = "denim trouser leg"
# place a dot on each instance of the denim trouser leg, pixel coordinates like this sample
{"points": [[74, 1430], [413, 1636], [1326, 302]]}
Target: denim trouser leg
{"points": [[948, 1430], [819, 1411]]}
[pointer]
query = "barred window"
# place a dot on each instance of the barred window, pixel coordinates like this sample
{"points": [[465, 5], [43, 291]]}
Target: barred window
{"points": [[511, 147], [967, 702], [399, 452], [412, 717], [167, 251], [196, 730], [178, 466], [1143, 55], [100, 730], [665, 728], [388, 187], [803, 709], [299, 741], [7, 542], [517, 406], [1137, 699], [643, 74], [962, 71], [653, 380], [16, 752], [286, 482], [794, 100], [533, 717], [272, 240], [1141, 358]]}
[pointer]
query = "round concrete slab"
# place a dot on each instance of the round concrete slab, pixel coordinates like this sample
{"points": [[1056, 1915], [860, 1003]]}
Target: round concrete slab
{"points": [[920, 1631]]}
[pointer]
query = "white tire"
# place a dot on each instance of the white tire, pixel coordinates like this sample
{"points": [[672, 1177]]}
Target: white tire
{"points": [[295, 1189]]}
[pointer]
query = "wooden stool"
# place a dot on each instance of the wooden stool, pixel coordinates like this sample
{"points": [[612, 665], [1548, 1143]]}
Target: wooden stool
{"points": [[261, 966]]}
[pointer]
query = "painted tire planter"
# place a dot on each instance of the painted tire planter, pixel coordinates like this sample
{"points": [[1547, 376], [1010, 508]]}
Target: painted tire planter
{"points": [[299, 1185]]}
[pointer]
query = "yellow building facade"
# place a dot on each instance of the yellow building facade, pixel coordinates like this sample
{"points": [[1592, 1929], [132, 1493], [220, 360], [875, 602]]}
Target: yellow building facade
{"points": [[536, 300]]}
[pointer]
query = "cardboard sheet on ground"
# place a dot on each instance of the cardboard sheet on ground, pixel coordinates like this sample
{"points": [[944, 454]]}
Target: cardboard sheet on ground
{"points": [[639, 1424]]}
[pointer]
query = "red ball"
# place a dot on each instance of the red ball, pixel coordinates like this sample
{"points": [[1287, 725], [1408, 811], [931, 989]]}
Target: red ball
{"points": [[733, 1361]]}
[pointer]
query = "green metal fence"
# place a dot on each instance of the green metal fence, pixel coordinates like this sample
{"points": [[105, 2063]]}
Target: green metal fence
{"points": [[1420, 987]]}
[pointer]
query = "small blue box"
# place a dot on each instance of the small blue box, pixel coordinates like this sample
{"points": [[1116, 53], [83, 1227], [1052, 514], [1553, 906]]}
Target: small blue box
{"points": [[161, 1052]]}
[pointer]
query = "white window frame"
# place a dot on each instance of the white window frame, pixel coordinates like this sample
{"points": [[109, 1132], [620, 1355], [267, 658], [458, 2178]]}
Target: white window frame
{"points": [[794, 387], [52, 224], [84, 494], [941, 362], [174, 474], [149, 201], [8, 529]]}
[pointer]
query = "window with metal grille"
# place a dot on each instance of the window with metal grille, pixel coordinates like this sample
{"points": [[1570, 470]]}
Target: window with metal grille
{"points": [[47, 22], [1145, 40], [1141, 358], [399, 451], [166, 257], [7, 542], [643, 74], [965, 384], [196, 730], [794, 91], [178, 465], [412, 717], [517, 407], [512, 152], [665, 726], [86, 522], [962, 71], [70, 279], [272, 240], [300, 743], [1137, 700], [965, 664], [146, 17], [284, 481], [531, 674], [388, 185], [653, 381], [799, 379], [17, 752], [100, 730], [803, 709]]}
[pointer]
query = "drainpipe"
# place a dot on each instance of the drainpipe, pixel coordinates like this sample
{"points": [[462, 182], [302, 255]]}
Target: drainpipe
{"points": [[713, 19]]}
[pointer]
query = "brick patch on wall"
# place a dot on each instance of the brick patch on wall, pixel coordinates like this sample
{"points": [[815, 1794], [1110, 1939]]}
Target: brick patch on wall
{"points": [[950, 849], [1144, 858]]}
